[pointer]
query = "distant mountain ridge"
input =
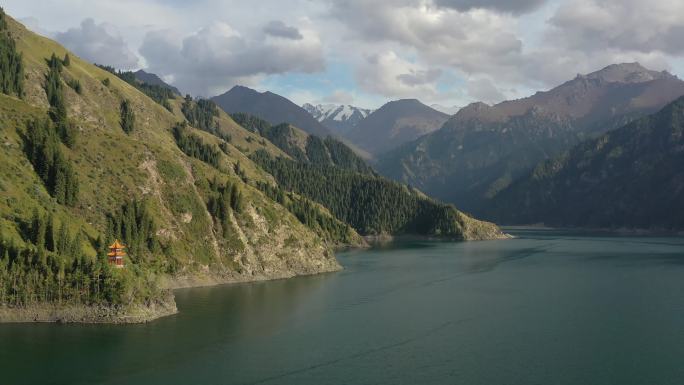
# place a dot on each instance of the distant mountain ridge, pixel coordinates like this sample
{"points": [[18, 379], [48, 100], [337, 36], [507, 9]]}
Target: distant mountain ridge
{"points": [[152, 79], [339, 118], [394, 124], [631, 177], [271, 107], [483, 149]]}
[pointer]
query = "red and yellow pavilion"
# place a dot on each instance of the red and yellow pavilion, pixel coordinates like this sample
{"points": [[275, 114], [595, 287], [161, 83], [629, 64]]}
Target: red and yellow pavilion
{"points": [[116, 254]]}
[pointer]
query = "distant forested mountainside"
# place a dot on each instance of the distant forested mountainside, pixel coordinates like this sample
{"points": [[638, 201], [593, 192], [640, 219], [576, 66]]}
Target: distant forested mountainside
{"points": [[632, 177], [483, 149], [331, 174], [304, 147], [373, 205]]}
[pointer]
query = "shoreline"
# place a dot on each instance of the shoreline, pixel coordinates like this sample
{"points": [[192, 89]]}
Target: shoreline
{"points": [[137, 313], [385, 238], [166, 306], [602, 230], [90, 314]]}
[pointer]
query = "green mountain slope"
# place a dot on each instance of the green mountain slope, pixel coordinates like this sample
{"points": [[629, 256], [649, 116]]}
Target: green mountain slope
{"points": [[330, 173], [303, 147], [631, 177], [91, 155], [191, 239]]}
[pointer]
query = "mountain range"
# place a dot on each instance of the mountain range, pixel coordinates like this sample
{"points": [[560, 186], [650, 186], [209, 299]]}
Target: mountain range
{"points": [[394, 124], [483, 149]]}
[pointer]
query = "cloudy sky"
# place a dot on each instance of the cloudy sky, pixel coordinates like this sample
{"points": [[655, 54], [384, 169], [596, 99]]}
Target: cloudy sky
{"points": [[366, 52]]}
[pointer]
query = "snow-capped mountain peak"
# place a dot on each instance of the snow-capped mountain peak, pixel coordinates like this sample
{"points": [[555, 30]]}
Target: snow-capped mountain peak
{"points": [[337, 117]]}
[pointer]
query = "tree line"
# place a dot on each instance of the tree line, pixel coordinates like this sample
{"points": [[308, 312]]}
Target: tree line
{"points": [[50, 267], [11, 63], [159, 94], [201, 114], [193, 146], [54, 90]]}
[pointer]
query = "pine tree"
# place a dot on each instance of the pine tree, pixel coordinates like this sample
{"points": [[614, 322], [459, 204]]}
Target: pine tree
{"points": [[67, 60], [127, 117], [50, 239], [62, 240], [75, 245], [40, 231]]}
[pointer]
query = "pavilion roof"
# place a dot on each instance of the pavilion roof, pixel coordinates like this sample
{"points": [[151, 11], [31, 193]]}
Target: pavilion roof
{"points": [[116, 245]]}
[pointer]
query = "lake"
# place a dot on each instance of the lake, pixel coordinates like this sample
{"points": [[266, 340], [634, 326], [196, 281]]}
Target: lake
{"points": [[546, 308]]}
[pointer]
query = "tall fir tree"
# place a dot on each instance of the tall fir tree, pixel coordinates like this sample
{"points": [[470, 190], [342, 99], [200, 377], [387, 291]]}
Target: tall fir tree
{"points": [[127, 116]]}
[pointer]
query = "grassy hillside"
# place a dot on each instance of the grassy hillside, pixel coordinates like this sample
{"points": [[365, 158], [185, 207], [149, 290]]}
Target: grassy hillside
{"points": [[185, 242]]}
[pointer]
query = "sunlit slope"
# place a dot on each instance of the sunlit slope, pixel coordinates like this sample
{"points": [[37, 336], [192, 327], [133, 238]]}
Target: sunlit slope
{"points": [[114, 167]]}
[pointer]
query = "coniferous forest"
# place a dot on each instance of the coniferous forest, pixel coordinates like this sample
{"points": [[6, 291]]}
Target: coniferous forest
{"points": [[201, 113], [370, 204], [11, 65], [51, 267], [159, 94], [193, 146], [42, 147], [328, 151], [54, 90]]}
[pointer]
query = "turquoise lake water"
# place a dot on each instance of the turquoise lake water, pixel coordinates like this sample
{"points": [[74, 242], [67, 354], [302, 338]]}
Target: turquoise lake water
{"points": [[546, 308]]}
